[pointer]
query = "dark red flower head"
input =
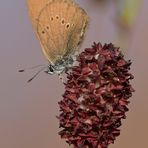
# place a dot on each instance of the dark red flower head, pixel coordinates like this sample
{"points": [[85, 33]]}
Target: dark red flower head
{"points": [[96, 97]]}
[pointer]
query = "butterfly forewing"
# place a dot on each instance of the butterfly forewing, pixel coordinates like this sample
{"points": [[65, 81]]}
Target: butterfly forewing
{"points": [[34, 8], [60, 26]]}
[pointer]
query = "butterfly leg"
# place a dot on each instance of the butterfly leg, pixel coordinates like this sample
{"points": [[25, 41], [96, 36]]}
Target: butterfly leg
{"points": [[61, 77]]}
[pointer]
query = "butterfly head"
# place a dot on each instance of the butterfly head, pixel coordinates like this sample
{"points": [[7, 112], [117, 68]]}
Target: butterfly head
{"points": [[57, 68], [60, 66], [50, 69]]}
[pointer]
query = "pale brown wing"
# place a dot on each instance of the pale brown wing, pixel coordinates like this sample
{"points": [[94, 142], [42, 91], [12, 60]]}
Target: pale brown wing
{"points": [[60, 25], [80, 21], [60, 28], [34, 8]]}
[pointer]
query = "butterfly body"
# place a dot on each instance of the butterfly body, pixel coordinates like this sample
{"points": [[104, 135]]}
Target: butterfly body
{"points": [[60, 26]]}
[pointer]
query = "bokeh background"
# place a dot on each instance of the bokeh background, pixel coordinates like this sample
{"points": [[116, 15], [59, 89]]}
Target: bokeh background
{"points": [[28, 111]]}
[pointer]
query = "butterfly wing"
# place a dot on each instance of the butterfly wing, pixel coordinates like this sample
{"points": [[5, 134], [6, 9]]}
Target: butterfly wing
{"points": [[60, 26], [34, 8], [79, 24]]}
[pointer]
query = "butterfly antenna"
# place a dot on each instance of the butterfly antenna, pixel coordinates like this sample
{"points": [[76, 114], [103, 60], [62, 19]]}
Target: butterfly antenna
{"points": [[30, 68], [36, 74]]}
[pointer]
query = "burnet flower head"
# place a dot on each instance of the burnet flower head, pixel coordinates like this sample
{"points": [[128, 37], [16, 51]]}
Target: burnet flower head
{"points": [[96, 96]]}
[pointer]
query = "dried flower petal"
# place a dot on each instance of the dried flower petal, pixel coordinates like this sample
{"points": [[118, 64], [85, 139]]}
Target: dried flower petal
{"points": [[96, 97]]}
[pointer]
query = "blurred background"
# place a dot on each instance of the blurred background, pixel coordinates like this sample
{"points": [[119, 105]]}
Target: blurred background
{"points": [[28, 111]]}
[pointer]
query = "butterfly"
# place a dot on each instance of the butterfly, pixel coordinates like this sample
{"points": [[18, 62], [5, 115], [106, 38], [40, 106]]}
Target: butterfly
{"points": [[60, 26]]}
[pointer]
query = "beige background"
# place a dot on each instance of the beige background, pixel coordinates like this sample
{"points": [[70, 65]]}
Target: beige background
{"points": [[27, 111]]}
